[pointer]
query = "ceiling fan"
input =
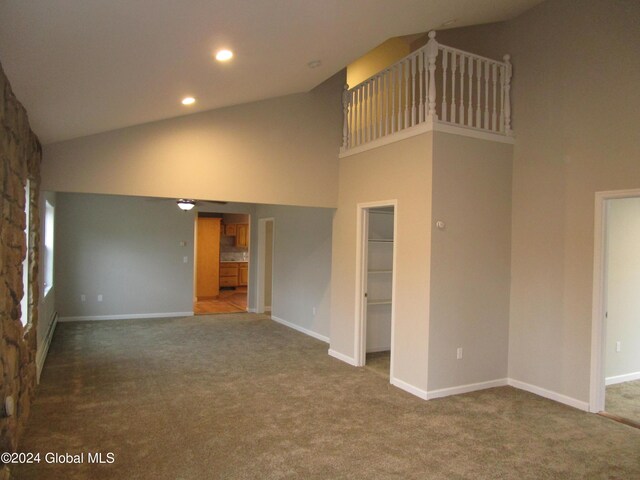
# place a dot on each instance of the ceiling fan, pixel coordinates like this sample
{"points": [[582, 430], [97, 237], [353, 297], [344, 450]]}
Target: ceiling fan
{"points": [[187, 203]]}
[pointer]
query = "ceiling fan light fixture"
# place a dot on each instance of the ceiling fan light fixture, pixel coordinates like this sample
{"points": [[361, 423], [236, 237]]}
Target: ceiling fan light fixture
{"points": [[185, 204]]}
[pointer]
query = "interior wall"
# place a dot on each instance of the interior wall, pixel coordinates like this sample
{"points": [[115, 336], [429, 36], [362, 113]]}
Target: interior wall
{"points": [[376, 60], [470, 261], [278, 151], [301, 265], [623, 286], [575, 114], [126, 249], [401, 171]]}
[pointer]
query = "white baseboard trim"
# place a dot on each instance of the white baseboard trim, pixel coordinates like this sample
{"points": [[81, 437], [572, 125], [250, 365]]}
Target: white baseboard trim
{"points": [[407, 387], [252, 310], [471, 387], [343, 357], [306, 331], [551, 395], [43, 349], [129, 316], [628, 377]]}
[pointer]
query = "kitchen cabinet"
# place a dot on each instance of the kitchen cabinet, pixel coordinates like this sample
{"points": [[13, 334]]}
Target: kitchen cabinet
{"points": [[229, 274], [243, 274], [242, 235], [230, 230]]}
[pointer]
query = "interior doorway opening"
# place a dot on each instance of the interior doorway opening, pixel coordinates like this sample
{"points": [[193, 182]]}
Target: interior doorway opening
{"points": [[616, 318], [376, 286], [221, 262]]}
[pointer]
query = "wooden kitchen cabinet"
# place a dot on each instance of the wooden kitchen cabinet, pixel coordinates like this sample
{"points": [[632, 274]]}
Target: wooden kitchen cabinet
{"points": [[230, 230], [243, 274], [229, 274], [242, 235]]}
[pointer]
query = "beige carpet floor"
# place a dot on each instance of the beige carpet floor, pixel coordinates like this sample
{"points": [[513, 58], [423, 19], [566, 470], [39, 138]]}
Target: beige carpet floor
{"points": [[241, 397], [623, 400], [379, 362]]}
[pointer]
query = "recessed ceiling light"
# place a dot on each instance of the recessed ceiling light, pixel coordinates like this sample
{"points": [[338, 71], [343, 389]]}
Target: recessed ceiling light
{"points": [[188, 101], [314, 64], [224, 55]]}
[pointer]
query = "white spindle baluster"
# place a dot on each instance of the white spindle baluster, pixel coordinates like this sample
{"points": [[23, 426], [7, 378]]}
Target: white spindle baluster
{"points": [[453, 87], [400, 127], [365, 113], [420, 80], [507, 96], [445, 57], [355, 115], [462, 58], [370, 117], [414, 61], [478, 91], [392, 92], [501, 99], [470, 108], [345, 117], [405, 68], [378, 117], [494, 79], [432, 54], [486, 95], [385, 97]]}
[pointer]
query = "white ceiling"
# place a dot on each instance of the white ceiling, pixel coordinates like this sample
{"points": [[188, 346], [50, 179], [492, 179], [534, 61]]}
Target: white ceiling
{"points": [[86, 66]]}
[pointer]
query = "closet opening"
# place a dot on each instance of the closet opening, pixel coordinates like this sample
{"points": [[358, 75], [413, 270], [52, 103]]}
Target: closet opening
{"points": [[376, 280]]}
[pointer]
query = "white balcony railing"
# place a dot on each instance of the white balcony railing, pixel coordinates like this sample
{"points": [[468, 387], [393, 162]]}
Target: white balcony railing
{"points": [[433, 84]]}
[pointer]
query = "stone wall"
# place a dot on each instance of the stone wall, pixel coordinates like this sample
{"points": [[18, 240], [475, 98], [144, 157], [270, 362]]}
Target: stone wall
{"points": [[20, 154]]}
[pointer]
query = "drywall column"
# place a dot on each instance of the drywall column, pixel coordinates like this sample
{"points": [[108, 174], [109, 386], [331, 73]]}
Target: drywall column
{"points": [[400, 171], [470, 262]]}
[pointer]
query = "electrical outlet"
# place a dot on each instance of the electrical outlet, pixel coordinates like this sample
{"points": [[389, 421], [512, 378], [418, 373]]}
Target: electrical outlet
{"points": [[618, 346], [459, 353], [83, 298], [100, 297], [185, 259]]}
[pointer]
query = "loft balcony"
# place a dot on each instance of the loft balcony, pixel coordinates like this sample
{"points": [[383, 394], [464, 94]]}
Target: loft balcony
{"points": [[433, 88]]}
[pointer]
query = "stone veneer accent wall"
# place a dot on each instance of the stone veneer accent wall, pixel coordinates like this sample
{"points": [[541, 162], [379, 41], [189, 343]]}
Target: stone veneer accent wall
{"points": [[20, 153]]}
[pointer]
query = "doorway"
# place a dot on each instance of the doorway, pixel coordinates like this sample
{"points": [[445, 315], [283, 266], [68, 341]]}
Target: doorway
{"points": [[221, 262], [266, 237], [375, 286], [616, 318]]}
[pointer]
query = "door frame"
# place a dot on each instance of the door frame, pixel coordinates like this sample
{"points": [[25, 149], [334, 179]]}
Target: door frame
{"points": [[599, 306], [362, 250], [261, 267]]}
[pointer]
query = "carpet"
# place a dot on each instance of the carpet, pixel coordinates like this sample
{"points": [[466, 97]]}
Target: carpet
{"points": [[623, 400], [242, 397]]}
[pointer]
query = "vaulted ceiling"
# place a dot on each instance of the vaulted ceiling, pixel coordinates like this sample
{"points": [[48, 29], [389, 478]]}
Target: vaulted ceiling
{"points": [[82, 67]]}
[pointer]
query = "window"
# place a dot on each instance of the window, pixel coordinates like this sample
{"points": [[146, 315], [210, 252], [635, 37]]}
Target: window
{"points": [[24, 303], [49, 212]]}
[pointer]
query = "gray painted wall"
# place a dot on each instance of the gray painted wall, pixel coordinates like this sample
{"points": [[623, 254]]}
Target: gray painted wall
{"points": [[125, 248], [301, 265], [470, 261]]}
